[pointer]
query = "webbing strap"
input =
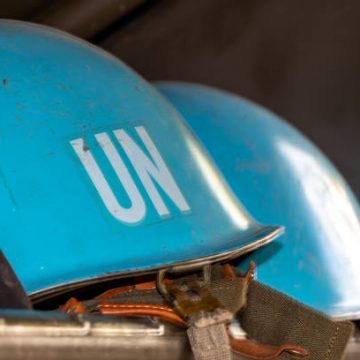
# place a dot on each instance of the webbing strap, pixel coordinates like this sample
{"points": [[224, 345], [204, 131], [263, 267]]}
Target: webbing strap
{"points": [[206, 317], [210, 342], [273, 318]]}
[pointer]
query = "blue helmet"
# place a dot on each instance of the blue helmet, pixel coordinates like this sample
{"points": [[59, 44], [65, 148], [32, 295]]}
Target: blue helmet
{"points": [[282, 178], [99, 175], [102, 177]]}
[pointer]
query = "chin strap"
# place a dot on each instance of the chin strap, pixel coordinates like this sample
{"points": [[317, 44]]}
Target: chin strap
{"points": [[274, 318], [273, 322]]}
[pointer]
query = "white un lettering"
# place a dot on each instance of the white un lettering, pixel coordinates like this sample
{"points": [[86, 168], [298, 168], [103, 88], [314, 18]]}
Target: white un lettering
{"points": [[148, 169]]}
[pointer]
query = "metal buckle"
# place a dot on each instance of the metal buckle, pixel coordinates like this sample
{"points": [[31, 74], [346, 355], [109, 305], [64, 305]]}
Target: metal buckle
{"points": [[192, 299], [161, 286]]}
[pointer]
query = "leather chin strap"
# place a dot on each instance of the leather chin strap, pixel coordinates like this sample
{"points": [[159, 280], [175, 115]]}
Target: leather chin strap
{"points": [[142, 299], [243, 347]]}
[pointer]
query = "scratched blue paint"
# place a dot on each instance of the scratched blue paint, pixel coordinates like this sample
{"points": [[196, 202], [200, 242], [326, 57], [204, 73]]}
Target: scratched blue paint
{"points": [[281, 177], [54, 227]]}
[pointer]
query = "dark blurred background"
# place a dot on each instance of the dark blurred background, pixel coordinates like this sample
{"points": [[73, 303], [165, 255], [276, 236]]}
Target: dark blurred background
{"points": [[299, 58]]}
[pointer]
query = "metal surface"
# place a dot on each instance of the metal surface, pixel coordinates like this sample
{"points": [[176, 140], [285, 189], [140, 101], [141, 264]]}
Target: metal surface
{"points": [[99, 174], [282, 178], [52, 335], [29, 335], [162, 288]]}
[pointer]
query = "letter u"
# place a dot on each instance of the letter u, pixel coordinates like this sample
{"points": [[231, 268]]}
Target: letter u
{"points": [[137, 210]]}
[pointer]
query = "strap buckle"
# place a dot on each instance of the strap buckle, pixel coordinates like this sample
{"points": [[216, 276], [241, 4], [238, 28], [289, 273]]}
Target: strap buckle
{"points": [[160, 280], [191, 298]]}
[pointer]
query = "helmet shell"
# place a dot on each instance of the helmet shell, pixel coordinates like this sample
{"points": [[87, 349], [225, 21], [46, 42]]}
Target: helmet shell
{"points": [[281, 177], [99, 175]]}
